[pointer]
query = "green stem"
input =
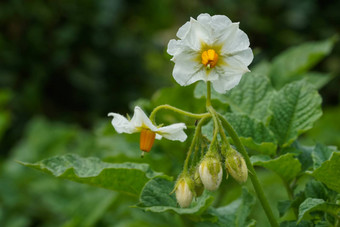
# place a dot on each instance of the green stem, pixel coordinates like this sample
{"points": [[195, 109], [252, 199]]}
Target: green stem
{"points": [[193, 142], [168, 107], [290, 196], [254, 179], [216, 128], [208, 103], [219, 125]]}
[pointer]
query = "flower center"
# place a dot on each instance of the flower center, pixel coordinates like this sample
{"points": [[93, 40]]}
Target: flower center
{"points": [[209, 58], [147, 137]]}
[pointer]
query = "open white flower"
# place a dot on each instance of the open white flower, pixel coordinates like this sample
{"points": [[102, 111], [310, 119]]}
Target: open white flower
{"points": [[141, 123], [211, 48]]}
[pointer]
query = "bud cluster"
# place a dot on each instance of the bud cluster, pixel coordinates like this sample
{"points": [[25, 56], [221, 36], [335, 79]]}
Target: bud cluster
{"points": [[208, 174]]}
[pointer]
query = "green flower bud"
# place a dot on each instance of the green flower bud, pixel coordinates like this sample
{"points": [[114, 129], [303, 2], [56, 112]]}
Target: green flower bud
{"points": [[236, 166], [184, 192], [210, 171]]}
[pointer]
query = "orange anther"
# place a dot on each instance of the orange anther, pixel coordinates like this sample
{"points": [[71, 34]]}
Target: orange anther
{"points": [[147, 137], [209, 58]]}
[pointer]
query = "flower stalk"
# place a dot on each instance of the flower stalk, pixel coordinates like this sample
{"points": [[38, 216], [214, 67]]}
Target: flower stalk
{"points": [[254, 179], [195, 138], [219, 121], [177, 110]]}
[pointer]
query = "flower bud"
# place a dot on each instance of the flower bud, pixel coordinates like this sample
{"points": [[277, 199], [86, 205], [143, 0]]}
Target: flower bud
{"points": [[210, 171], [199, 187], [236, 166], [184, 193]]}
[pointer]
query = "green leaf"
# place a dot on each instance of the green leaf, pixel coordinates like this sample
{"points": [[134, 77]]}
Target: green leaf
{"points": [[298, 60], [295, 108], [327, 128], [315, 189], [294, 224], [237, 212], [283, 206], [329, 172], [128, 178], [251, 97], [312, 204], [156, 197], [320, 154], [317, 79], [305, 154], [253, 133], [262, 68], [286, 166]]}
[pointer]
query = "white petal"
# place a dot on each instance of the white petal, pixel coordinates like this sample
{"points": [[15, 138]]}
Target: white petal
{"points": [[140, 120], [237, 63], [158, 136], [244, 57], [121, 124], [204, 18], [187, 69], [173, 132], [221, 21], [182, 31], [196, 35], [174, 47], [234, 40], [211, 75], [227, 82]]}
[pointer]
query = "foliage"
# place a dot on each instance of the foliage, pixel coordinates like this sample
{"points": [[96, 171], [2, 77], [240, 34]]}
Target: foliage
{"points": [[268, 120], [65, 65]]}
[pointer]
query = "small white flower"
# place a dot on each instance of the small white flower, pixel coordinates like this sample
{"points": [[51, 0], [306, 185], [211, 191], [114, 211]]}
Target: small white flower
{"points": [[211, 172], [183, 193], [211, 48], [141, 123]]}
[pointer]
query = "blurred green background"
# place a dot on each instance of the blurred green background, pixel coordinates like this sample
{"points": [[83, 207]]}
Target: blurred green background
{"points": [[65, 64]]}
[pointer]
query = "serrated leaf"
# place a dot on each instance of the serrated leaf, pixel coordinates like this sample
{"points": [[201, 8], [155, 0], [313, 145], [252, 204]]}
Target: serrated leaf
{"points": [[315, 189], [295, 108], [253, 133], [128, 178], [320, 154], [156, 197], [312, 204], [329, 172], [237, 212], [251, 97], [286, 166], [298, 60], [305, 155]]}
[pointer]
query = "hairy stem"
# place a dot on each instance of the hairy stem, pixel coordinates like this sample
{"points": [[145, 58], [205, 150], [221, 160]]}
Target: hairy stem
{"points": [[254, 179], [193, 142], [177, 110]]}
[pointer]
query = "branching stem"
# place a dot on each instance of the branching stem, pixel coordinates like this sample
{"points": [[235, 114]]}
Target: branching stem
{"points": [[168, 107], [254, 179], [193, 142]]}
